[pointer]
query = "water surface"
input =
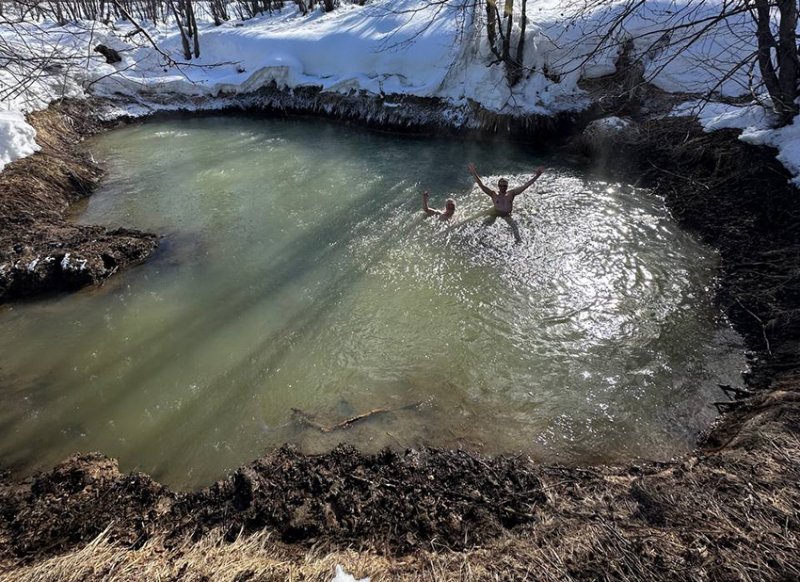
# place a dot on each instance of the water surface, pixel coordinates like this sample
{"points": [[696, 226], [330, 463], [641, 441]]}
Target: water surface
{"points": [[297, 272]]}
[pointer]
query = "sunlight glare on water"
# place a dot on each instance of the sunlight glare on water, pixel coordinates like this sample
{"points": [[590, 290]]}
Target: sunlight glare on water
{"points": [[297, 272]]}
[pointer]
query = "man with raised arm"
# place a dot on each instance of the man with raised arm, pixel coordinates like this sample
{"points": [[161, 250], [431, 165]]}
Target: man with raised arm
{"points": [[504, 199], [449, 208]]}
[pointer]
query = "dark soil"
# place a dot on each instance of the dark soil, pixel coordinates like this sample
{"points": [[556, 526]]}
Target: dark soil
{"points": [[40, 251], [398, 501]]}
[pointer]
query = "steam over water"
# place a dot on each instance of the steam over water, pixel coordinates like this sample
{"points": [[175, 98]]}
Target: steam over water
{"points": [[297, 271]]}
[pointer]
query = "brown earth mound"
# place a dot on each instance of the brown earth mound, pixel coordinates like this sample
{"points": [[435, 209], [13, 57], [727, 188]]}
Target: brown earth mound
{"points": [[39, 250], [397, 501]]}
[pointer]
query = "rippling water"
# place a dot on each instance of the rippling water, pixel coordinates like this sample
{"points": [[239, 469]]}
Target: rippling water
{"points": [[298, 272]]}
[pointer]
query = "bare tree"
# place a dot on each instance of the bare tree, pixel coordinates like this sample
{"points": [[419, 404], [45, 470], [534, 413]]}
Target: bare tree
{"points": [[678, 28], [777, 58], [500, 42], [187, 51]]}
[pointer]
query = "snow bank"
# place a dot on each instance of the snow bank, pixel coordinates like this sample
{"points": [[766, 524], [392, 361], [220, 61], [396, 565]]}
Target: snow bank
{"points": [[405, 47], [785, 139], [413, 47], [17, 137], [350, 48], [713, 115], [386, 48]]}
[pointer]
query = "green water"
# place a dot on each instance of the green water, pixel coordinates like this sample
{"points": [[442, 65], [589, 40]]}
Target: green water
{"points": [[297, 271]]}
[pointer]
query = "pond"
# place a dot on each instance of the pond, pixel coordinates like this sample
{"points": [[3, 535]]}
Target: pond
{"points": [[297, 273]]}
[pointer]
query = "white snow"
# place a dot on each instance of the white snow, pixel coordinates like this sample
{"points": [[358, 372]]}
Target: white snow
{"points": [[17, 137], [73, 264], [386, 48], [610, 123], [785, 139], [342, 576], [714, 115]]}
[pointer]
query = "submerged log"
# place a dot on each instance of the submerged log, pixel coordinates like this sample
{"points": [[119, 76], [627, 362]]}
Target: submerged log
{"points": [[306, 419]]}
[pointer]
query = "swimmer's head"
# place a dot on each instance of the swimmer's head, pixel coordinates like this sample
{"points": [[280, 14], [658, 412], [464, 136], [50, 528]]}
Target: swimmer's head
{"points": [[502, 184], [450, 205]]}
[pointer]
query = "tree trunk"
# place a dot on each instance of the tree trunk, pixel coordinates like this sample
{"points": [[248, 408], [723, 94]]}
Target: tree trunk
{"points": [[187, 53], [781, 83], [787, 58], [195, 33], [491, 27], [509, 14], [214, 13], [515, 69]]}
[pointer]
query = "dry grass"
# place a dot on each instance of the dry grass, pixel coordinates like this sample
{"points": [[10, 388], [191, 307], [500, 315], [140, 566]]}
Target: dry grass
{"points": [[44, 184], [212, 559]]}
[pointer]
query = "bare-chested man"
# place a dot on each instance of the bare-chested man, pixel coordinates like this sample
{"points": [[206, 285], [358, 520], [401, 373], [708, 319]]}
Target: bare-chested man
{"points": [[504, 199], [446, 214]]}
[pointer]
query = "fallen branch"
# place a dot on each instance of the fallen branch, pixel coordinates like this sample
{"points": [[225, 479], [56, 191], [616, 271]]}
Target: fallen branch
{"points": [[760, 321], [738, 393], [305, 418], [723, 407], [681, 177]]}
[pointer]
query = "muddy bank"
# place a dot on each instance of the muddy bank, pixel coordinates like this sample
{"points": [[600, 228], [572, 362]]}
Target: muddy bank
{"points": [[40, 251], [398, 501], [439, 514], [405, 114]]}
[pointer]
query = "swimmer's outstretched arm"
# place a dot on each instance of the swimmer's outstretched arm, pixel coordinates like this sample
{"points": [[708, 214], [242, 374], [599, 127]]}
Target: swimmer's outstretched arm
{"points": [[425, 208], [481, 185], [520, 189]]}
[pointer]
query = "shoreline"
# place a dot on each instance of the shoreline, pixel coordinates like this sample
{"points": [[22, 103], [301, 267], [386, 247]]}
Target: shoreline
{"points": [[40, 250], [736, 198]]}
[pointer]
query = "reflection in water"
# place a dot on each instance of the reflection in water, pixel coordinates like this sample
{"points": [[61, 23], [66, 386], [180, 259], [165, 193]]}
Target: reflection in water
{"points": [[297, 271]]}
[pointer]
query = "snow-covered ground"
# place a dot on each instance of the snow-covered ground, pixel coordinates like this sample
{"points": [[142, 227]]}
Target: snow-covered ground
{"points": [[17, 137], [386, 48]]}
